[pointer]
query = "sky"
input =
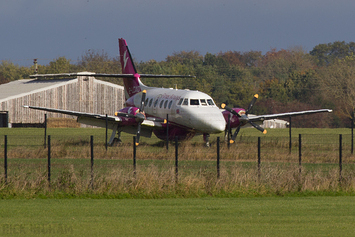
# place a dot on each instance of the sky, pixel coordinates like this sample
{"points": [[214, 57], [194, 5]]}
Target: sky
{"points": [[154, 29]]}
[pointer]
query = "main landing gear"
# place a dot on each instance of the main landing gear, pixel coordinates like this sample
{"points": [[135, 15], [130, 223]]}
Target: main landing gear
{"points": [[206, 139]]}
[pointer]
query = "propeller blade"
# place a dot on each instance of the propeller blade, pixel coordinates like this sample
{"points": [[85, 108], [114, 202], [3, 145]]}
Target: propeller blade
{"points": [[258, 127], [252, 103], [159, 120], [125, 115], [138, 134], [235, 134], [141, 108], [227, 132], [229, 109]]}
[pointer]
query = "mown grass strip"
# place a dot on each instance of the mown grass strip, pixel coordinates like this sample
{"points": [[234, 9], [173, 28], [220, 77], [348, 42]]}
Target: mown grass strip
{"points": [[287, 216]]}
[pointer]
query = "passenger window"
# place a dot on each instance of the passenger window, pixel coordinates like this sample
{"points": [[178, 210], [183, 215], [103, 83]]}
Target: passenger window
{"points": [[194, 102], [146, 102], [203, 102], [210, 102], [186, 102], [156, 103], [170, 103], [165, 104], [180, 101], [161, 103], [150, 102]]}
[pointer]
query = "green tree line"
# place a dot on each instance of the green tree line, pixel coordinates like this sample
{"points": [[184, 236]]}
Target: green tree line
{"points": [[286, 80]]}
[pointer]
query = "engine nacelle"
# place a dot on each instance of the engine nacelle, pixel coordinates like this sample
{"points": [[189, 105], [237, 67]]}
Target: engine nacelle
{"points": [[129, 110]]}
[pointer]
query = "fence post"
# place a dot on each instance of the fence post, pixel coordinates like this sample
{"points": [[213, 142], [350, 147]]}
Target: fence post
{"points": [[259, 159], [49, 160], [340, 156], [300, 153], [92, 160], [5, 158], [218, 172], [176, 160], [45, 131], [134, 155]]}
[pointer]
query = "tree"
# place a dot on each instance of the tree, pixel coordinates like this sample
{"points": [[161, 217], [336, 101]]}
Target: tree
{"points": [[185, 57], [338, 84], [326, 54], [99, 62], [246, 59], [59, 65], [287, 75], [10, 72]]}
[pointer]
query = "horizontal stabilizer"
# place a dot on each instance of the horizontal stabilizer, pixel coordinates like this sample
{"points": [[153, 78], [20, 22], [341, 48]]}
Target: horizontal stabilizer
{"points": [[107, 75]]}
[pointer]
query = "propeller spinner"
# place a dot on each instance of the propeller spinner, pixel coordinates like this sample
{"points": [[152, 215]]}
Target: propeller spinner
{"points": [[243, 119]]}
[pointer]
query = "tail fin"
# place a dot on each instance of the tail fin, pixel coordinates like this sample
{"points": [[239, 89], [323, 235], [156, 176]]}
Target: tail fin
{"points": [[132, 85]]}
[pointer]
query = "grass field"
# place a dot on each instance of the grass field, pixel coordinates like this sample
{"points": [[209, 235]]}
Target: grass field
{"points": [[277, 216], [155, 175]]}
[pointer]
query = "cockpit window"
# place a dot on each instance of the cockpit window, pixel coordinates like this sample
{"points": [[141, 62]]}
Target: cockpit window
{"points": [[186, 102], [203, 102], [194, 102], [180, 101], [210, 102]]}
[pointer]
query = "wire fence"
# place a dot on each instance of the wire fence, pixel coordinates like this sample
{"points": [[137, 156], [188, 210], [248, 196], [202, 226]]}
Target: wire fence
{"points": [[61, 156]]}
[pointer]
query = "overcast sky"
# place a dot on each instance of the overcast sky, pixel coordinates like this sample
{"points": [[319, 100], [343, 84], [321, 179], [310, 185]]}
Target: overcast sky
{"points": [[154, 29]]}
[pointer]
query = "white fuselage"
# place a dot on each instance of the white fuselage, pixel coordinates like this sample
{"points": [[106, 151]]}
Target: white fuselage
{"points": [[193, 110]]}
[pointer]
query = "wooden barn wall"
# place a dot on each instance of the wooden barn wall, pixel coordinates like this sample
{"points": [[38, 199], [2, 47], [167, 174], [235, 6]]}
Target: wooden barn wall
{"points": [[85, 95]]}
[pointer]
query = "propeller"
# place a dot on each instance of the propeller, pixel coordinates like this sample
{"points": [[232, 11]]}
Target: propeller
{"points": [[243, 118], [140, 117]]}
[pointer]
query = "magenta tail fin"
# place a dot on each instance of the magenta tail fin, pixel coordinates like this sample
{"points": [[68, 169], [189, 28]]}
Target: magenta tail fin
{"points": [[132, 85]]}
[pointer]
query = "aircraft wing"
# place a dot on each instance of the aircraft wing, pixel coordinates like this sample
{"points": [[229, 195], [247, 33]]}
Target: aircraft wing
{"points": [[98, 120], [280, 115], [75, 113]]}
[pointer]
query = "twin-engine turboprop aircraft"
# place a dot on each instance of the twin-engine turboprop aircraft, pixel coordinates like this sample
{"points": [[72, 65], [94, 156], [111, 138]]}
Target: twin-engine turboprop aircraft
{"points": [[189, 112]]}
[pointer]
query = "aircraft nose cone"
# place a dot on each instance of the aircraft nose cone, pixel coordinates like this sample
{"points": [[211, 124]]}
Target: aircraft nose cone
{"points": [[213, 123], [219, 126]]}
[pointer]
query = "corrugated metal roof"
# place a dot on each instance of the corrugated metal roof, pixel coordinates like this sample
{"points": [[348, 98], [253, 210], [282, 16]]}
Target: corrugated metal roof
{"points": [[22, 87]]}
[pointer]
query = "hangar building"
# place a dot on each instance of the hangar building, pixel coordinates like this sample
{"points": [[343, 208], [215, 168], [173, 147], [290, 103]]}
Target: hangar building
{"points": [[84, 94]]}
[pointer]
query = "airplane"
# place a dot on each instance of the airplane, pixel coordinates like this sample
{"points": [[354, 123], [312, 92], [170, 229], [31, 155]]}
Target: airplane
{"points": [[189, 112]]}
